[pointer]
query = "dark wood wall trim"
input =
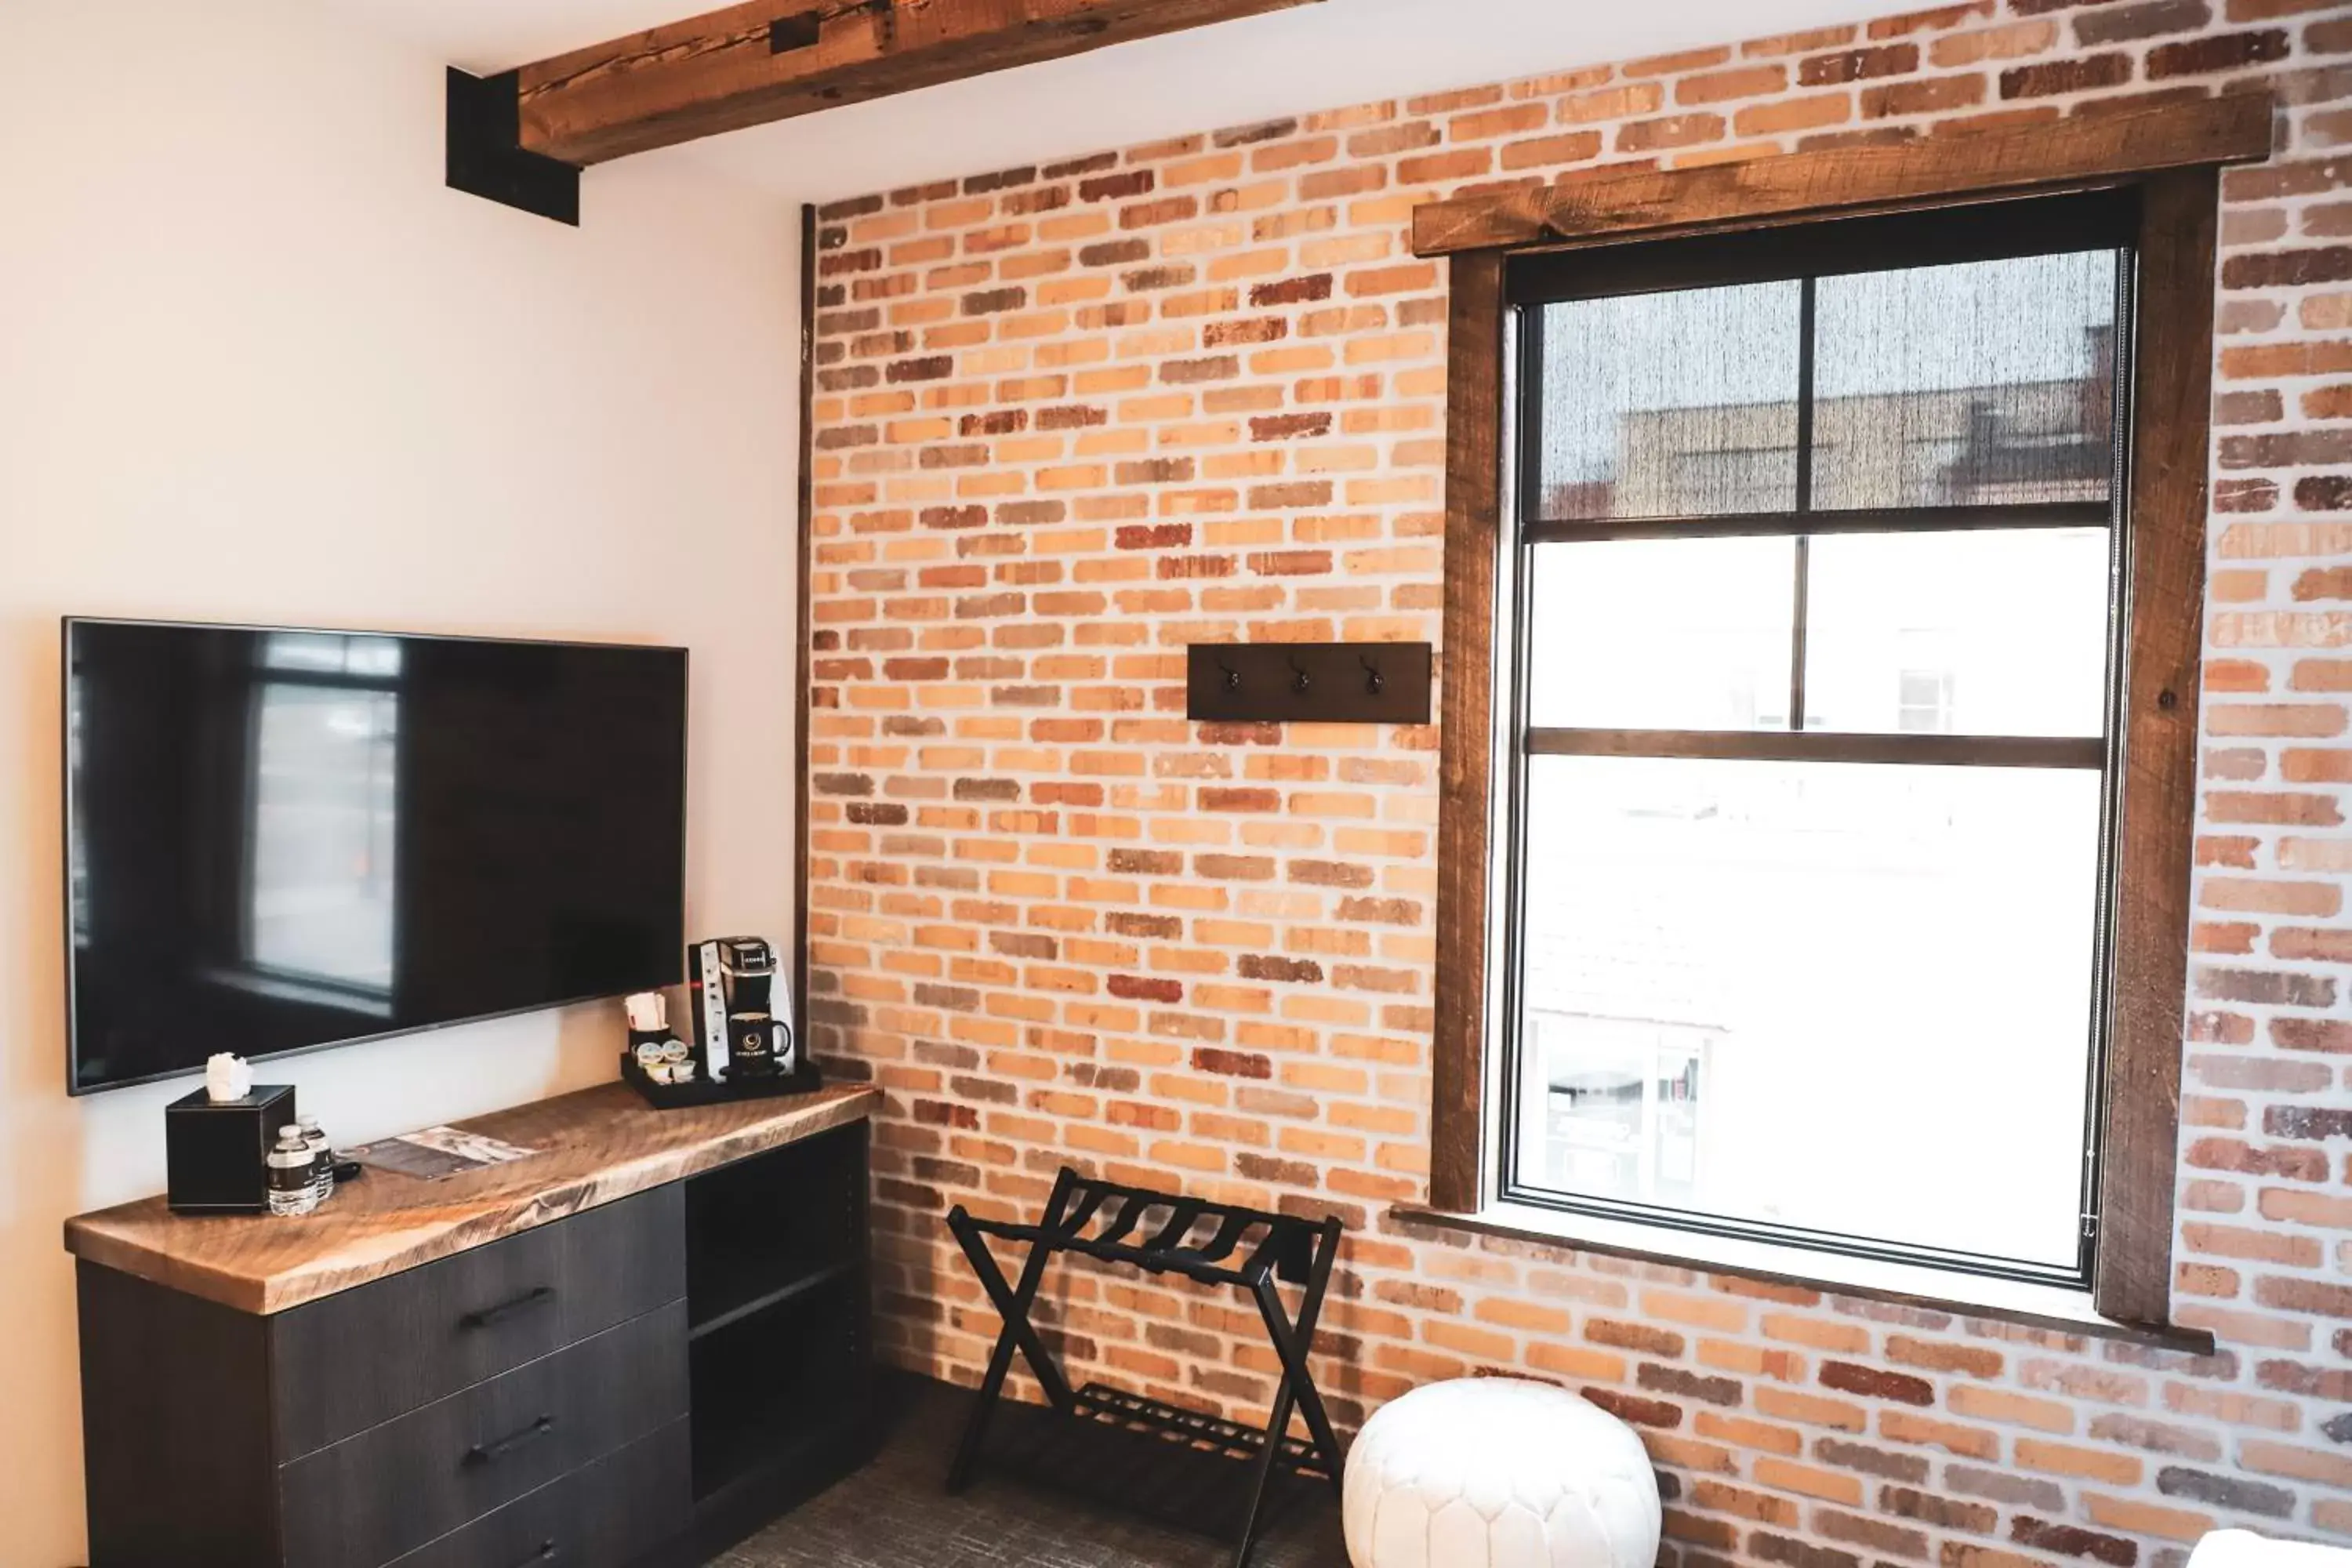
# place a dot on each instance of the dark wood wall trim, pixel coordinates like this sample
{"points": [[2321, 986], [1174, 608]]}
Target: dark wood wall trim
{"points": [[804, 626], [1474, 495], [2164, 631], [751, 63], [1616, 205]]}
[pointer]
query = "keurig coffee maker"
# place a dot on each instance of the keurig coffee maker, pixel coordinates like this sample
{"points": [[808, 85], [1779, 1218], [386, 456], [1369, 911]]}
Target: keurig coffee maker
{"points": [[739, 1042], [735, 983]]}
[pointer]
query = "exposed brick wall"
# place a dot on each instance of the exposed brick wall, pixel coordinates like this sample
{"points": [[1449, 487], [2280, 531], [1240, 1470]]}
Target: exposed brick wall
{"points": [[1071, 418]]}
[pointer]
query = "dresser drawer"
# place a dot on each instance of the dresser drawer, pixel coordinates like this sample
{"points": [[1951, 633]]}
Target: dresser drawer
{"points": [[608, 1515], [365, 1501], [351, 1361]]}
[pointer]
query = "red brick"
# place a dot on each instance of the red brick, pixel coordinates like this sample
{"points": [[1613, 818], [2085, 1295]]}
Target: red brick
{"points": [[2225, 51], [2305, 1296], [2288, 269], [1674, 130], [1859, 65], [1875, 1384], [2149, 19], [2080, 74], [1928, 95], [1743, 82]]}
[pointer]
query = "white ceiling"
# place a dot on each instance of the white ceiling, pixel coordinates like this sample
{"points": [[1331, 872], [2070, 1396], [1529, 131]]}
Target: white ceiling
{"points": [[1323, 56]]}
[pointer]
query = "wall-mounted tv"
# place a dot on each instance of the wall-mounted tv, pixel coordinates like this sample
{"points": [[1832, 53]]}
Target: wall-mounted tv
{"points": [[281, 839]]}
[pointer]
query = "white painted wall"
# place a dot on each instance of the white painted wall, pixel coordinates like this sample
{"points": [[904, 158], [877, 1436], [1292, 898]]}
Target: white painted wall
{"points": [[256, 364]]}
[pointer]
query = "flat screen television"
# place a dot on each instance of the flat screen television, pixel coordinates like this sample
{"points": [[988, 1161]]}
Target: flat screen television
{"points": [[278, 840]]}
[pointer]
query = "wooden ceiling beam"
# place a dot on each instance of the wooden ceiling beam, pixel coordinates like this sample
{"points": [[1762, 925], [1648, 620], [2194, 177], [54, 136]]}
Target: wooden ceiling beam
{"points": [[751, 63]]}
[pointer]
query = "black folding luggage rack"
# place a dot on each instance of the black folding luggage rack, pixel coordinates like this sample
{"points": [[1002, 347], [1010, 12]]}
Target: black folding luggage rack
{"points": [[1155, 1232]]}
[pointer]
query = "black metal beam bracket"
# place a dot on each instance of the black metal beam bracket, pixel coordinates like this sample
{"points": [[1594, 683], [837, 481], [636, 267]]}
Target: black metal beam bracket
{"points": [[486, 155]]}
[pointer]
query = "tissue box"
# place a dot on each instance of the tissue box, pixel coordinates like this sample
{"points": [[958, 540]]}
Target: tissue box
{"points": [[217, 1154]]}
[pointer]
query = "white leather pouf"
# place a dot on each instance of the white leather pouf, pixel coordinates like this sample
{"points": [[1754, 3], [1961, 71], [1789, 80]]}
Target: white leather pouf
{"points": [[2244, 1549], [1494, 1472]]}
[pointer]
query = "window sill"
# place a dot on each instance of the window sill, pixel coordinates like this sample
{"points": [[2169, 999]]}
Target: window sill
{"points": [[2050, 1307]]}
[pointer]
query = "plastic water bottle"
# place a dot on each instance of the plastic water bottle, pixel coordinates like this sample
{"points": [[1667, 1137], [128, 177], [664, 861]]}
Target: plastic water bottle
{"points": [[323, 1159], [292, 1187]]}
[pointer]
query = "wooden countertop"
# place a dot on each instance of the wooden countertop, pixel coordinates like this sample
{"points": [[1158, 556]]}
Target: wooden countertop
{"points": [[595, 1146]]}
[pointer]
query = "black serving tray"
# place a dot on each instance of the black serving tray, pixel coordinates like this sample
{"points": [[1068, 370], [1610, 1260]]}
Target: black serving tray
{"points": [[724, 1091]]}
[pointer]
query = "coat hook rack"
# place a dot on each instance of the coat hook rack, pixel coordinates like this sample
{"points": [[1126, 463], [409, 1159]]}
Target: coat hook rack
{"points": [[1321, 683]]}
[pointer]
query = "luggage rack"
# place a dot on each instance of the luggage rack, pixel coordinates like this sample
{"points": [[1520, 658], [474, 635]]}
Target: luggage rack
{"points": [[1163, 1233]]}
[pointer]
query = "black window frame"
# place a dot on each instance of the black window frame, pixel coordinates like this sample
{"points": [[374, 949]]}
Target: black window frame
{"points": [[2103, 219]]}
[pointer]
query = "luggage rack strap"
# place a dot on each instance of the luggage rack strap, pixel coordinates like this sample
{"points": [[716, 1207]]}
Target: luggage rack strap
{"points": [[1284, 1248]]}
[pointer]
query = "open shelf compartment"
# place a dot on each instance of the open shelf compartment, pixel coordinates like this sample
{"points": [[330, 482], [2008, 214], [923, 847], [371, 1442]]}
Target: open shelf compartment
{"points": [[778, 1344], [782, 1387], [762, 1230]]}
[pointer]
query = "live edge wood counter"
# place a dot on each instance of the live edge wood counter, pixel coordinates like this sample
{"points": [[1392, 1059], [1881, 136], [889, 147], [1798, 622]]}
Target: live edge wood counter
{"points": [[596, 1147]]}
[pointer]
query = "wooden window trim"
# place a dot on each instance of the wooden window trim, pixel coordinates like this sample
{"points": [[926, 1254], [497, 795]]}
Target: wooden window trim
{"points": [[2173, 155], [2084, 151], [2164, 599], [1473, 545]]}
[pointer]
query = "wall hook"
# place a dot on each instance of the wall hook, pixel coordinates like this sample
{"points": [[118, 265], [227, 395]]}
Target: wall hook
{"points": [[1314, 682]]}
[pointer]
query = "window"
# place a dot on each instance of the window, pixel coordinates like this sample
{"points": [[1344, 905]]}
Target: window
{"points": [[1814, 637], [1823, 551]]}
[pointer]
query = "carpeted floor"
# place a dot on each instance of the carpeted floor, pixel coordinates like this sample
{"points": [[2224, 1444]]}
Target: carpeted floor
{"points": [[896, 1513]]}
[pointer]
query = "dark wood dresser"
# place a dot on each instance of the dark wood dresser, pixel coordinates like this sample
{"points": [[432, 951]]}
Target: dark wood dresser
{"points": [[630, 1349]]}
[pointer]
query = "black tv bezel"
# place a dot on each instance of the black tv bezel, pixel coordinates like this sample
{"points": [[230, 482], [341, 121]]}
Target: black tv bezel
{"points": [[76, 1089]]}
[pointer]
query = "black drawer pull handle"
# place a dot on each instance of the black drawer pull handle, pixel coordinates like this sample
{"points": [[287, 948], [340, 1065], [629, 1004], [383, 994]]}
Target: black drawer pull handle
{"points": [[546, 1553], [483, 1453], [487, 1316]]}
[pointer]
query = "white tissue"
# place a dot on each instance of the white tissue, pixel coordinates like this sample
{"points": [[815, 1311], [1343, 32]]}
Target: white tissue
{"points": [[227, 1077]]}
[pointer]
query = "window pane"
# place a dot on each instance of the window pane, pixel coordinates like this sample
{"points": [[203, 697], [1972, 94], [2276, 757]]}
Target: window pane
{"points": [[1661, 634], [1677, 404], [1835, 997], [1994, 633], [1983, 384]]}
